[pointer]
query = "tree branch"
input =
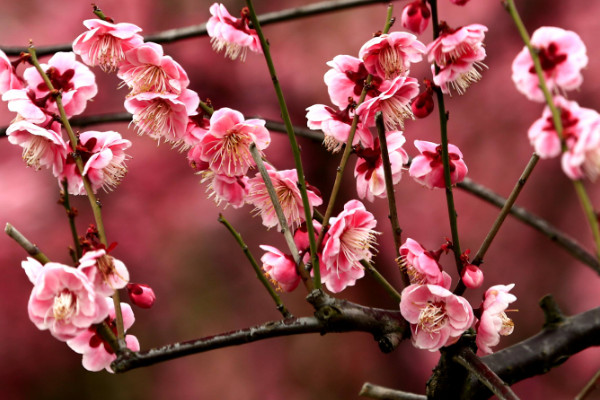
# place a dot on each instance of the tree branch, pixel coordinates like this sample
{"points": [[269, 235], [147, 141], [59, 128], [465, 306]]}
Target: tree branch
{"points": [[380, 392]]}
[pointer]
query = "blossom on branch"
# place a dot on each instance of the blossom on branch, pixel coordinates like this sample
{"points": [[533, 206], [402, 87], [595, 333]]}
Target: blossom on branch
{"points": [[336, 126], [583, 158], [428, 168], [493, 321], [421, 265], [232, 34], [104, 271], [415, 16], [280, 268], [141, 295], [390, 55], [41, 146], [346, 80], [8, 78]]}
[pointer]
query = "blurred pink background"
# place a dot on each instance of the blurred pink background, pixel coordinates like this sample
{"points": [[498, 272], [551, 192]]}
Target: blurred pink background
{"points": [[169, 236]]}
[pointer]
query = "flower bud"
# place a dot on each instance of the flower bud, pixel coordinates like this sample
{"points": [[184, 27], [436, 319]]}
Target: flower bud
{"points": [[472, 276], [423, 105], [141, 295], [415, 16]]}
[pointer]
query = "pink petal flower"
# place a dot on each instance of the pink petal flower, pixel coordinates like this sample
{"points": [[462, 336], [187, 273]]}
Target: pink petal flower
{"points": [[231, 34], [105, 43], [493, 321], [428, 169], [422, 266], [226, 145], [583, 158], [233, 190], [141, 295], [416, 16], [472, 276], [104, 271], [346, 79], [24, 103], [436, 316], [280, 267], [390, 55], [64, 301], [562, 55], [8, 78], [336, 127]]}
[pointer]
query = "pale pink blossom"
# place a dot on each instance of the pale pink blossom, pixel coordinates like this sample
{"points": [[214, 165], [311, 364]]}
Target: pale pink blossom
{"points": [[285, 183], [232, 34], [63, 300], [226, 145], [24, 103], [422, 266], [494, 321], [163, 116], [97, 353], [458, 54], [147, 69], [393, 101], [141, 295], [428, 169], [583, 158], [350, 239], [75, 81], [336, 127], [41, 147], [390, 55], [369, 174], [562, 56], [8, 78], [104, 271], [415, 16], [103, 154], [280, 268], [542, 134], [105, 43], [233, 190], [346, 79], [472, 276], [437, 317]]}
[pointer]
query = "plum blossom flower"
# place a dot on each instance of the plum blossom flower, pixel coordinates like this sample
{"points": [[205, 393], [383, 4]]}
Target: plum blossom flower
{"points": [[75, 81], [437, 317], [230, 33], [280, 268], [428, 169], [103, 154], [421, 265], [233, 190], [346, 79], [104, 271], [562, 56], [63, 300], [393, 101], [336, 127], [8, 78], [542, 134], [493, 321], [41, 147], [415, 16], [472, 276], [105, 43], [583, 158], [390, 55], [285, 183], [141, 295], [458, 54], [349, 240], [226, 145], [24, 103], [97, 353], [147, 69], [370, 178]]}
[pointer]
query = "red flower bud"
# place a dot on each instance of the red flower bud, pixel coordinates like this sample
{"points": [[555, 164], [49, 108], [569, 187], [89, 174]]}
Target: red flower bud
{"points": [[415, 16], [141, 295], [423, 105]]}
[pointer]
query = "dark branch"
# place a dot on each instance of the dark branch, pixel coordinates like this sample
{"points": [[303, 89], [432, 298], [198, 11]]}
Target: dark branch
{"points": [[173, 35]]}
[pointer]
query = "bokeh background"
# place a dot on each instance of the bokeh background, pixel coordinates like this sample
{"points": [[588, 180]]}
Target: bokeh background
{"points": [[169, 236]]}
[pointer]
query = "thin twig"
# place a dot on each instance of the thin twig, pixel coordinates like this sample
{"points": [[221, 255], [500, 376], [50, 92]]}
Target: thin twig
{"points": [[71, 214], [381, 280], [22, 241], [384, 393], [589, 387]]}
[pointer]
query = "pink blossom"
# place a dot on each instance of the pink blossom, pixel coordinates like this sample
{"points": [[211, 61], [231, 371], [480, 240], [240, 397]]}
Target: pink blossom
{"points": [[493, 321], [336, 127], [562, 56], [346, 79], [370, 178], [147, 69], [231, 34], [226, 145], [163, 116], [75, 81], [583, 158], [301, 236], [285, 183], [63, 300], [280, 268], [105, 272], [437, 317], [416, 16], [141, 295], [459, 55], [393, 102], [472, 276], [428, 169], [233, 190], [97, 353], [390, 55], [8, 78], [575, 119], [350, 239], [105, 43], [104, 159], [422, 266], [41, 146], [24, 103]]}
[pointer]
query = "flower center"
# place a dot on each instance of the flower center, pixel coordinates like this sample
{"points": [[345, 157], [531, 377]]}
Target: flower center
{"points": [[433, 317], [65, 305], [107, 53], [391, 62], [549, 58], [356, 244], [34, 151]]}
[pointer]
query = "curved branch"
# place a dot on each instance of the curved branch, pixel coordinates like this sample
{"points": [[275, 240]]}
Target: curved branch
{"points": [[173, 35]]}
